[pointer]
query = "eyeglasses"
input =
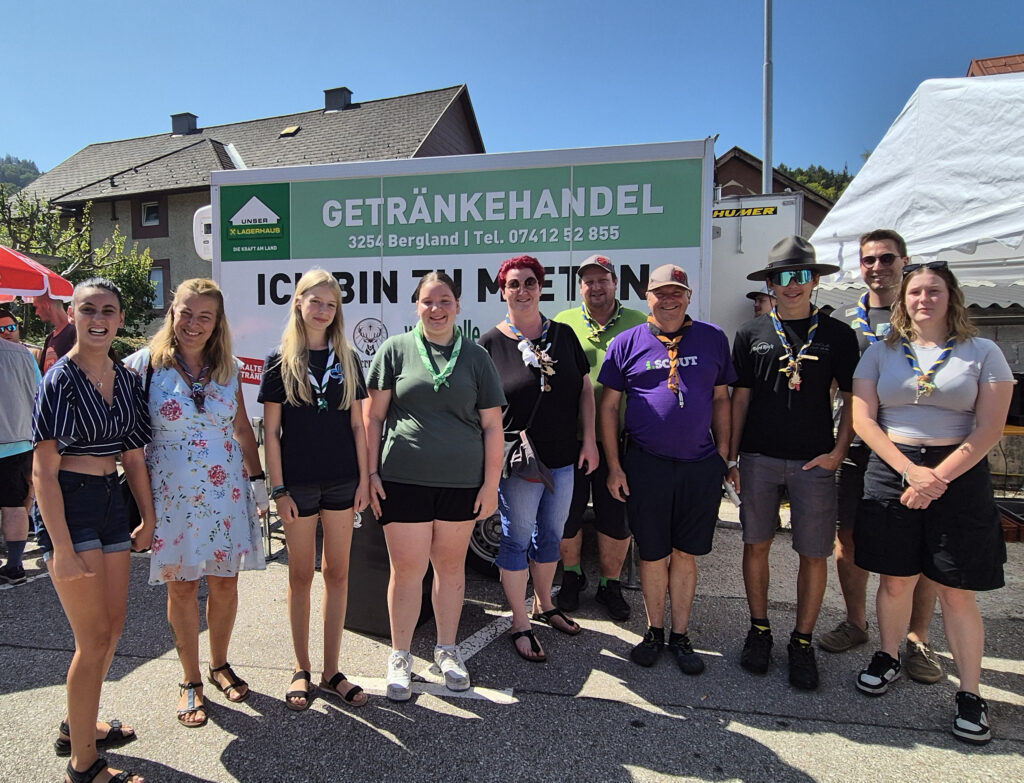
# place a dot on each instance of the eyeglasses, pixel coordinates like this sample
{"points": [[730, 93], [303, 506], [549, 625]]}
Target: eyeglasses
{"points": [[886, 259], [785, 278], [929, 265], [9, 328], [529, 284]]}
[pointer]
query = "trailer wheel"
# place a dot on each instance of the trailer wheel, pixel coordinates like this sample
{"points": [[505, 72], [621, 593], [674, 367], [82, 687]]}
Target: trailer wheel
{"points": [[483, 546]]}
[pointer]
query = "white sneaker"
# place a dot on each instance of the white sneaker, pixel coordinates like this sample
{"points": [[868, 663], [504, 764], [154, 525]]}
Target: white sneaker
{"points": [[399, 676], [449, 661]]}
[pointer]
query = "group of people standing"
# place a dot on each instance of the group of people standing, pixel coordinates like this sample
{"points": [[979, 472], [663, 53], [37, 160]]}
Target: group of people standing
{"points": [[630, 409]]}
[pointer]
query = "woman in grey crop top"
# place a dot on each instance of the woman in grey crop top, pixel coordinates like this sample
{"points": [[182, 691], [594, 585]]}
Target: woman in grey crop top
{"points": [[930, 401], [88, 410]]}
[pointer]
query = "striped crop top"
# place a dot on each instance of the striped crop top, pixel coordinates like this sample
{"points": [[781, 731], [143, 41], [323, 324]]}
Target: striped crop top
{"points": [[72, 412]]}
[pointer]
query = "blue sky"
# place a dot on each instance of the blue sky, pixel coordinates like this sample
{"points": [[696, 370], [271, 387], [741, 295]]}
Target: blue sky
{"points": [[541, 75]]}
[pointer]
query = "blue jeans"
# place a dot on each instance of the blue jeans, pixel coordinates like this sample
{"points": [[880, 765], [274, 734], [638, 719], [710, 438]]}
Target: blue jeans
{"points": [[532, 519]]}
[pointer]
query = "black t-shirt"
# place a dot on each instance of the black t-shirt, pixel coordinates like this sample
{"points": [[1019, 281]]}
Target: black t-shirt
{"points": [[553, 430], [316, 447], [782, 422]]}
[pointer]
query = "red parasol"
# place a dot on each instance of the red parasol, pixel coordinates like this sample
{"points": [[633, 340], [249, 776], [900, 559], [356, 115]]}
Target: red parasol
{"points": [[22, 276]]}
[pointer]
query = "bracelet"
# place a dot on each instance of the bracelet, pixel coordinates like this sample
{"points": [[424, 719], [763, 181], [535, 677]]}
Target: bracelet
{"points": [[278, 492], [371, 475], [903, 475], [732, 464], [261, 476]]}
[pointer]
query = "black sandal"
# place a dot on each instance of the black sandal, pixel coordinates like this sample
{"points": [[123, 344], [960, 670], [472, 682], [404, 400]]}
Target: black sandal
{"points": [[116, 737], [539, 656], [100, 764], [548, 616], [301, 674], [191, 706], [349, 696], [235, 684]]}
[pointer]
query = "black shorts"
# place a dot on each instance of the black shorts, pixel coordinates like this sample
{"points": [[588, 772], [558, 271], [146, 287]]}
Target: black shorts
{"points": [[609, 513], [417, 503], [956, 541], [311, 498], [94, 511], [672, 504], [850, 484], [15, 479]]}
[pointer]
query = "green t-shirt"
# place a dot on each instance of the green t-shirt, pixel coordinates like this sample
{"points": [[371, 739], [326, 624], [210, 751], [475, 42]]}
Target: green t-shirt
{"points": [[596, 347], [434, 438]]}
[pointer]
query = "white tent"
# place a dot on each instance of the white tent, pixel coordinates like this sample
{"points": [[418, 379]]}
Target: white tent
{"points": [[949, 176]]}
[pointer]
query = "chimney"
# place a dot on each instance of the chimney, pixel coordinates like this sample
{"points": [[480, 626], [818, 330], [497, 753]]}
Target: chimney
{"points": [[183, 124], [337, 99]]}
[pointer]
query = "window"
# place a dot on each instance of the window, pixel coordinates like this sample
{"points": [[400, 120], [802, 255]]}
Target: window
{"points": [[160, 276], [150, 213]]}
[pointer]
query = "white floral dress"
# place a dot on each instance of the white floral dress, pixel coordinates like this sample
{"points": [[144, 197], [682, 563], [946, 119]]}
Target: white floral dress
{"points": [[206, 521]]}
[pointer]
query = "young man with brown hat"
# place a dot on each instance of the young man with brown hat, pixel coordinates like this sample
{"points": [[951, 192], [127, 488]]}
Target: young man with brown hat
{"points": [[674, 373], [782, 439], [599, 318]]}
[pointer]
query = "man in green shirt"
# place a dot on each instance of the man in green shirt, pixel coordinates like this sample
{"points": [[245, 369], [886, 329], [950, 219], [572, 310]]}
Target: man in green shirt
{"points": [[596, 321]]}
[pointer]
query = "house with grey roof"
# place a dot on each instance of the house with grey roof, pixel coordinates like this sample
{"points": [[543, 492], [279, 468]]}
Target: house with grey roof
{"points": [[152, 186]]}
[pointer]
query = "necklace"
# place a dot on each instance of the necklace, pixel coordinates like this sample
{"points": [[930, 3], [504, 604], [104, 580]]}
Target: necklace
{"points": [[535, 354], [791, 363], [97, 382], [672, 346], [596, 329], [198, 383], [439, 378], [923, 383]]}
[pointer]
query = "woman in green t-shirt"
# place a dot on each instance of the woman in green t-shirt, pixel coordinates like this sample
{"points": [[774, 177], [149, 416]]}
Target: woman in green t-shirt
{"points": [[434, 440]]}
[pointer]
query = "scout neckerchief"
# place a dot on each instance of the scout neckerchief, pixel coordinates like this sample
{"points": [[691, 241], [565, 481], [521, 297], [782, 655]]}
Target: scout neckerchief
{"points": [[320, 387], [197, 391], [439, 378], [672, 346], [791, 363], [535, 354], [924, 385], [861, 321], [596, 329]]}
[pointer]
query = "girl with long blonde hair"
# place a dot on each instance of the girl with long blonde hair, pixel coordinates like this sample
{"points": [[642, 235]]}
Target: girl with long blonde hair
{"points": [[312, 391]]}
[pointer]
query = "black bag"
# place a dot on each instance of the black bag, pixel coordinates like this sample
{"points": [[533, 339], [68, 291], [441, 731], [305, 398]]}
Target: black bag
{"points": [[130, 506]]}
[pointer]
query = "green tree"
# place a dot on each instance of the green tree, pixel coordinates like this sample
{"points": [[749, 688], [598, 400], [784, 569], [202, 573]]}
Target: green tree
{"points": [[32, 225], [824, 182], [17, 172]]}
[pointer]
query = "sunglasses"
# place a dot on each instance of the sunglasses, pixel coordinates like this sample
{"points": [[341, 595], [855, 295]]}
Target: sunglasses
{"points": [[529, 284], [929, 265], [785, 278], [9, 328], [886, 259]]}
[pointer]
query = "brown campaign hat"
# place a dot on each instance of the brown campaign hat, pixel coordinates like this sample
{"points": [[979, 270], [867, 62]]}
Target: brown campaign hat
{"points": [[789, 254]]}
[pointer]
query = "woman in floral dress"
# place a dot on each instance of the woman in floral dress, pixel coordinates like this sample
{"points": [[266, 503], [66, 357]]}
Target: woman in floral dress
{"points": [[202, 461]]}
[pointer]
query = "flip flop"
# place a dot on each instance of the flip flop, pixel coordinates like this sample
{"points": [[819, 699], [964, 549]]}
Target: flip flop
{"points": [[308, 694], [116, 737], [350, 697], [235, 685], [539, 656], [548, 619]]}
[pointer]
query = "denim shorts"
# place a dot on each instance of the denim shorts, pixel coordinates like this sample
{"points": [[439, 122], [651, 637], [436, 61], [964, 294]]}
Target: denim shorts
{"points": [[532, 519], [94, 511], [812, 502], [311, 498]]}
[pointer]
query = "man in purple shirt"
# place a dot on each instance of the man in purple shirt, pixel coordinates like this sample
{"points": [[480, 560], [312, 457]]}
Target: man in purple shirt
{"points": [[674, 373]]}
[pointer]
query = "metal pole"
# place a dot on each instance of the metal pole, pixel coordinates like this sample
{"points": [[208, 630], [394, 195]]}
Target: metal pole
{"points": [[766, 101]]}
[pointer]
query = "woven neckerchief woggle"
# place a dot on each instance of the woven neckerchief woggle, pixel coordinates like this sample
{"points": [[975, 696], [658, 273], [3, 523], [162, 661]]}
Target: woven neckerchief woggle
{"points": [[535, 354], [924, 385], [791, 363], [320, 387], [439, 378], [596, 329]]}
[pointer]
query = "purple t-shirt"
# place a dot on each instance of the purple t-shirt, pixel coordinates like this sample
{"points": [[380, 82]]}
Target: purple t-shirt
{"points": [[637, 364]]}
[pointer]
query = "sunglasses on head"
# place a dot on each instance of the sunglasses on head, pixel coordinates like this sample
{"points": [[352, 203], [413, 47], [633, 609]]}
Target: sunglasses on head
{"points": [[929, 265], [886, 259], [785, 278], [529, 284], [9, 328]]}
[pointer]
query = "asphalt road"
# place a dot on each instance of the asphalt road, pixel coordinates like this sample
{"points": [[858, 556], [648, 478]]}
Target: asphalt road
{"points": [[588, 714]]}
